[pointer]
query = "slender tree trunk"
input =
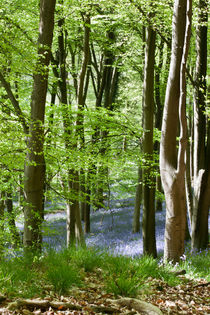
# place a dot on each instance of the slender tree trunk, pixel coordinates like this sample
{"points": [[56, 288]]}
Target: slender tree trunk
{"points": [[11, 219], [106, 90], [2, 222], [74, 226], [138, 195], [159, 201], [172, 165], [201, 202], [34, 166], [81, 98], [87, 206], [188, 182], [137, 206], [158, 117], [148, 189], [73, 222]]}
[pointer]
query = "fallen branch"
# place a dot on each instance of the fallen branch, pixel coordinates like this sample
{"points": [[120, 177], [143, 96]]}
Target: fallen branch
{"points": [[138, 305], [45, 304], [104, 309]]}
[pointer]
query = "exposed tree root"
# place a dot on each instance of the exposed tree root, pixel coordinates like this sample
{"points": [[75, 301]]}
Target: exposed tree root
{"points": [[57, 305], [138, 305]]}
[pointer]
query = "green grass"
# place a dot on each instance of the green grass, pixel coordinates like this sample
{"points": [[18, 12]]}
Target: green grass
{"points": [[28, 276], [18, 277], [85, 258], [128, 277], [197, 264], [121, 276]]}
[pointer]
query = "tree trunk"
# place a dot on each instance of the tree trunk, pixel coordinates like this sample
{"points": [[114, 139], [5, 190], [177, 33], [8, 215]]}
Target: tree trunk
{"points": [[34, 166], [172, 165], [107, 80], [11, 219], [201, 202], [188, 184], [87, 207], [81, 98], [158, 117], [74, 226], [148, 189], [159, 202], [137, 206], [2, 222], [73, 221], [138, 195]]}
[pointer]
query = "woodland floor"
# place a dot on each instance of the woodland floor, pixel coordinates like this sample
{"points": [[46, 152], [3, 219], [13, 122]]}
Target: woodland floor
{"points": [[112, 230], [189, 298]]}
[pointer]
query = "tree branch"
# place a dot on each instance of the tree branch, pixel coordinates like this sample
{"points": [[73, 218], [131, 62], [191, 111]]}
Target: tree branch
{"points": [[15, 103]]}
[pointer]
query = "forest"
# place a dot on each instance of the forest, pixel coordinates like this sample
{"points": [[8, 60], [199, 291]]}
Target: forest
{"points": [[105, 117]]}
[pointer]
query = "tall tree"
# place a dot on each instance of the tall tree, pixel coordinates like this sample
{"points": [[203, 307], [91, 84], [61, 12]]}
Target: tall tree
{"points": [[148, 189], [35, 165], [172, 164], [81, 99], [201, 154], [138, 194]]}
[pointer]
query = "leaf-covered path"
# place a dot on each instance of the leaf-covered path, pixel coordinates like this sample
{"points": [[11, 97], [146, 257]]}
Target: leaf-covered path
{"points": [[188, 298]]}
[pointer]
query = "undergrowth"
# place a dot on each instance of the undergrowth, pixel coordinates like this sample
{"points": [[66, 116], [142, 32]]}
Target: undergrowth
{"points": [[197, 264], [28, 276], [20, 277]]}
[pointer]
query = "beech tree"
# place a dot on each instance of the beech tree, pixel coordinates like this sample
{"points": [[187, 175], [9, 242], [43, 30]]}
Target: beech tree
{"points": [[201, 149], [148, 188], [172, 164], [35, 164]]}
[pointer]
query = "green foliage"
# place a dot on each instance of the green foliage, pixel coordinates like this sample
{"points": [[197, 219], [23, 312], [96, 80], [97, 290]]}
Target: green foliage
{"points": [[197, 264], [19, 277], [149, 267], [128, 276], [122, 278], [61, 273], [123, 284], [27, 276], [85, 258]]}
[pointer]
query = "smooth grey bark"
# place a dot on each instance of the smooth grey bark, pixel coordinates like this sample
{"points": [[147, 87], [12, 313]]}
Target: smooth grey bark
{"points": [[34, 173], [148, 188], [172, 164], [201, 153]]}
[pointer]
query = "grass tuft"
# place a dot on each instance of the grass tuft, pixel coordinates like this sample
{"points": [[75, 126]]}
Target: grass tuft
{"points": [[61, 273], [18, 277], [197, 264], [85, 258], [122, 277]]}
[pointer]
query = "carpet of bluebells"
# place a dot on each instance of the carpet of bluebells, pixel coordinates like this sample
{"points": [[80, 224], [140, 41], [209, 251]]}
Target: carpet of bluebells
{"points": [[111, 230]]}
